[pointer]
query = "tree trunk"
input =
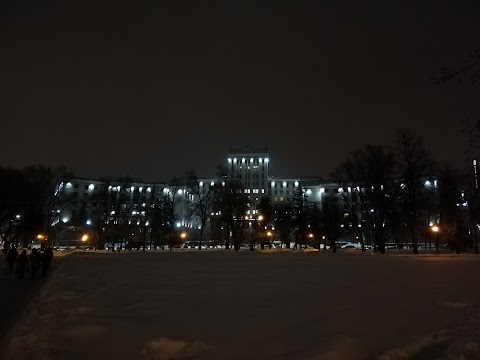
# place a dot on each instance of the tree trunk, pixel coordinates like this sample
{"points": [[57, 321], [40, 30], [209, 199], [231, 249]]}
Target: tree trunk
{"points": [[381, 246], [414, 241], [475, 242], [226, 235]]}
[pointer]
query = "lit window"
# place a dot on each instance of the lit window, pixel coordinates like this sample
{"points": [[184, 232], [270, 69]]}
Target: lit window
{"points": [[309, 192], [284, 183], [68, 185], [281, 199], [229, 160], [296, 183], [91, 187], [273, 183], [263, 191], [211, 184], [149, 189], [266, 160]]}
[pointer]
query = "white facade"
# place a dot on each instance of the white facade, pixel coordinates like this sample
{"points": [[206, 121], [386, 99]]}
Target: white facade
{"points": [[250, 166]]}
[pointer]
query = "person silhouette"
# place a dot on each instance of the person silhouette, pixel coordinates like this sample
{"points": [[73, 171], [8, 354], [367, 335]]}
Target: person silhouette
{"points": [[11, 259], [35, 262], [46, 259], [22, 263]]}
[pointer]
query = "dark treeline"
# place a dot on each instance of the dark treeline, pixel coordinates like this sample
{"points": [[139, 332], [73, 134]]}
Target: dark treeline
{"points": [[390, 194]]}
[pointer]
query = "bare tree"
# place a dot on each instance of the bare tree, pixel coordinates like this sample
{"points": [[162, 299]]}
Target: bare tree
{"points": [[414, 164], [469, 67], [282, 219], [331, 220], [201, 203], [368, 190], [231, 203], [451, 207], [12, 201], [45, 196]]}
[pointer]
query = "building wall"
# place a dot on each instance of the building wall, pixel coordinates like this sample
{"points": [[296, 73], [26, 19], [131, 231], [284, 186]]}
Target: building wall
{"points": [[251, 167]]}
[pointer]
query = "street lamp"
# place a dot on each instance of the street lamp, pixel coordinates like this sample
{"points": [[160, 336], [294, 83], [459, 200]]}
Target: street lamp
{"points": [[84, 240], [436, 229], [41, 238]]}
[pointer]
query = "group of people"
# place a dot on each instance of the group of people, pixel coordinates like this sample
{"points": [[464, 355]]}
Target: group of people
{"points": [[21, 263]]}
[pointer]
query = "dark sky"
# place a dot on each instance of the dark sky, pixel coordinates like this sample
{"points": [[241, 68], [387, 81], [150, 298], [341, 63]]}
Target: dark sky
{"points": [[154, 89]]}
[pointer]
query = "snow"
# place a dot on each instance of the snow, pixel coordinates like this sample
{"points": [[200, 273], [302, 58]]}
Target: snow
{"points": [[252, 305]]}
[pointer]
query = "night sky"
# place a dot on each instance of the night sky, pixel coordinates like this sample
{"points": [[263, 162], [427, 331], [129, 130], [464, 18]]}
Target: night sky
{"points": [[154, 89]]}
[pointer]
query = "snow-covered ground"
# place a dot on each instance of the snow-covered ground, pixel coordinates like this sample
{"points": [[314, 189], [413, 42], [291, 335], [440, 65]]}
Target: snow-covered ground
{"points": [[227, 305]]}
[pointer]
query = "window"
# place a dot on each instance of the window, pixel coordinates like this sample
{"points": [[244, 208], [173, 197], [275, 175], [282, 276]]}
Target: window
{"points": [[281, 199], [275, 199], [75, 186]]}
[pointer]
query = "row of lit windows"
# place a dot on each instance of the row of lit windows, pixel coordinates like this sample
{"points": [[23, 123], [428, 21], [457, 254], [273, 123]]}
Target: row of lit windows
{"points": [[252, 160], [254, 191]]}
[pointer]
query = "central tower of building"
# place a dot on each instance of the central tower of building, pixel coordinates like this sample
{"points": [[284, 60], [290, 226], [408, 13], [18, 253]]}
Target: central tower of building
{"points": [[250, 167]]}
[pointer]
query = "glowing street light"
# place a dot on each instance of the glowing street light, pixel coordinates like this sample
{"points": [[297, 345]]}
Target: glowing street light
{"points": [[260, 217], [436, 230], [84, 240], [183, 235]]}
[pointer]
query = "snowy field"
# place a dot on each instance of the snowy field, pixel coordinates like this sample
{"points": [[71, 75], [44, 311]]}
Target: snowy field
{"points": [[227, 305]]}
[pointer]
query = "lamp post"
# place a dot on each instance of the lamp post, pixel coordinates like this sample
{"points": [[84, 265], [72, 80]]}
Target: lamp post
{"points": [[84, 240], [312, 240], [436, 229], [40, 238]]}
